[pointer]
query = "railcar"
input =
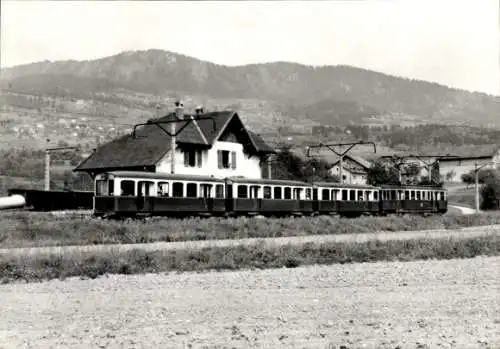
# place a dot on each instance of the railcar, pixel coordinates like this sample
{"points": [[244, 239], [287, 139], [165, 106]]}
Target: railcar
{"points": [[413, 200], [268, 197], [347, 199], [131, 193]]}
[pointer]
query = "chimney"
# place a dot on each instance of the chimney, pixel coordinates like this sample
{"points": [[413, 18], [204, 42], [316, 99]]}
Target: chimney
{"points": [[199, 110], [179, 110]]}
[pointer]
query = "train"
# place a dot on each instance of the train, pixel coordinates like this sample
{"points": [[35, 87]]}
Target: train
{"points": [[121, 194]]}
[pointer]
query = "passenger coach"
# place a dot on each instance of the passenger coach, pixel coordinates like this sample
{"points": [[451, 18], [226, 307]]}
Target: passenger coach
{"points": [[130, 193]]}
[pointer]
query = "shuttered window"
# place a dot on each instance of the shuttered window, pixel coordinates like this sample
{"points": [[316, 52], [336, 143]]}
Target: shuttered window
{"points": [[233, 160], [223, 159], [192, 158]]}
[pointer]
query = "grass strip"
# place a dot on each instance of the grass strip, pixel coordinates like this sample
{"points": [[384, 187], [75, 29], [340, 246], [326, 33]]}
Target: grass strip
{"points": [[28, 229], [260, 256]]}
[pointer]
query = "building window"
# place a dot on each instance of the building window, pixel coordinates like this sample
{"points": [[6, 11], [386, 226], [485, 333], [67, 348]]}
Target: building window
{"points": [[226, 159], [192, 158], [219, 191]]}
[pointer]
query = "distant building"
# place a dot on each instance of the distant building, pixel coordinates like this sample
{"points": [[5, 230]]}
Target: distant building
{"points": [[223, 147], [355, 169], [452, 169]]}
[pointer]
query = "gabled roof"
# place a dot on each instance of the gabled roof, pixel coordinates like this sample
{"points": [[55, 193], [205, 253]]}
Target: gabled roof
{"points": [[151, 143], [359, 160]]}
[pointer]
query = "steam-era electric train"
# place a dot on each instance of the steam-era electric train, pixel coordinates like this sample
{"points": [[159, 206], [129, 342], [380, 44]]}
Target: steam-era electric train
{"points": [[128, 194]]}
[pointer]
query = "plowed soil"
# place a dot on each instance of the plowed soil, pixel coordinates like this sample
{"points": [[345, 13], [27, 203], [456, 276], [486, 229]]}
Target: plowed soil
{"points": [[425, 304]]}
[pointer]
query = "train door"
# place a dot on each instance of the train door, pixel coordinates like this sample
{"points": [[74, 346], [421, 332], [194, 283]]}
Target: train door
{"points": [[144, 192], [229, 197], [206, 193], [315, 203]]}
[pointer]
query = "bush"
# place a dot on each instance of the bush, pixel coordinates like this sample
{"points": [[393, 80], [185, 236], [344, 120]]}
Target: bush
{"points": [[490, 193]]}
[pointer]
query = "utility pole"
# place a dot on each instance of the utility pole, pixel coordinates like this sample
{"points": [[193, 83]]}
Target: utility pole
{"points": [[178, 117], [341, 153], [47, 162], [477, 168]]}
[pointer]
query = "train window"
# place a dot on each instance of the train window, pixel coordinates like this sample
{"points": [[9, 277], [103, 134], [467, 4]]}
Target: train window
{"points": [[296, 193], [254, 191], [308, 194], [191, 190], [111, 187], [441, 196], [407, 195], [127, 188], [277, 192], [206, 190], [178, 189], [335, 193], [352, 195], [163, 189], [242, 191], [100, 188], [288, 193], [145, 188], [344, 195], [368, 195], [267, 192], [219, 191], [360, 195], [393, 195], [418, 195], [412, 197], [325, 194], [375, 195]]}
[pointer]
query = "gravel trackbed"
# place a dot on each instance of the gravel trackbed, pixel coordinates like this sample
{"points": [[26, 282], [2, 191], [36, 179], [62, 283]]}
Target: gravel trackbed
{"points": [[424, 304]]}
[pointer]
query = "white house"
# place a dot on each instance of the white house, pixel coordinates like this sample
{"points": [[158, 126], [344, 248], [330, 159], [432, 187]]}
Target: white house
{"points": [[218, 146], [354, 169], [452, 169]]}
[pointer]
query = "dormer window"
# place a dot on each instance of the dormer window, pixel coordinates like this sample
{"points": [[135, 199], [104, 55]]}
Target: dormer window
{"points": [[192, 158]]}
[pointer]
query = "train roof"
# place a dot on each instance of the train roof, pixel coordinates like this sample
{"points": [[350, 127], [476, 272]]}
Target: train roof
{"points": [[414, 187], [269, 181], [345, 185], [166, 176]]}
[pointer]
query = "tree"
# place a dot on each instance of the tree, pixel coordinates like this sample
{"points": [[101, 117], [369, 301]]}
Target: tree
{"points": [[379, 173], [490, 192]]}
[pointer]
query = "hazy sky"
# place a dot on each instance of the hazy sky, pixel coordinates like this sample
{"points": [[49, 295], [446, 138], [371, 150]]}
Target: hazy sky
{"points": [[454, 42]]}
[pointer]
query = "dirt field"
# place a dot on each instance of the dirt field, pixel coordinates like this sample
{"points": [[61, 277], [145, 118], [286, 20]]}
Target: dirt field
{"points": [[427, 304]]}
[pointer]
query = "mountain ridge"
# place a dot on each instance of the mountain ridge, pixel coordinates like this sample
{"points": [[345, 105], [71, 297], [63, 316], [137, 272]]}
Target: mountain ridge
{"points": [[328, 94]]}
